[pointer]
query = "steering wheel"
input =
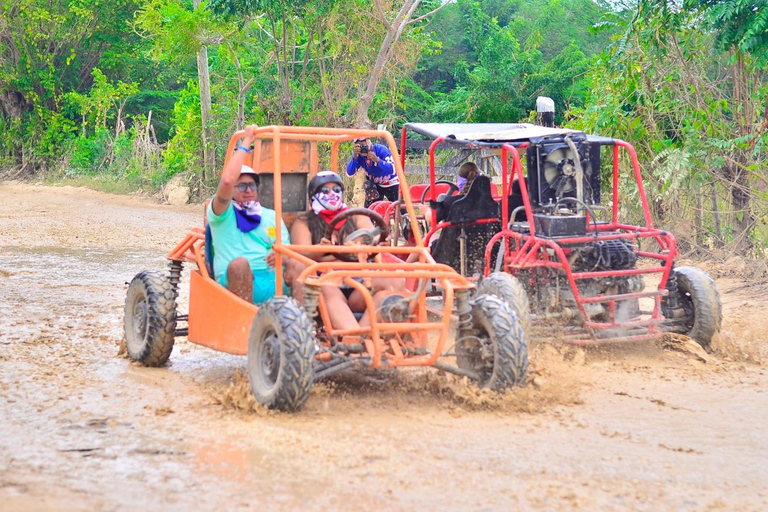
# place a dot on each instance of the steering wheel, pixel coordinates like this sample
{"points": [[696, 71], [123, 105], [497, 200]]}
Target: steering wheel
{"points": [[452, 189], [368, 236]]}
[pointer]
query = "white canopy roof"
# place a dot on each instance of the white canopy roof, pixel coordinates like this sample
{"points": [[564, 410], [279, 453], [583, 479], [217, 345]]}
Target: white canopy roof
{"points": [[487, 131]]}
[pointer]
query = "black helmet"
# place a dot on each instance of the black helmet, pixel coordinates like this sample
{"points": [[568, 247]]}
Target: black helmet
{"points": [[323, 178]]}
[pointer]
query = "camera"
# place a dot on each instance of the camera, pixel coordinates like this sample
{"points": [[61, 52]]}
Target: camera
{"points": [[363, 148]]}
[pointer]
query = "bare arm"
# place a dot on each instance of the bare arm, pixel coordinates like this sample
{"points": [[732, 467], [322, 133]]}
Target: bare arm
{"points": [[231, 173], [300, 235]]}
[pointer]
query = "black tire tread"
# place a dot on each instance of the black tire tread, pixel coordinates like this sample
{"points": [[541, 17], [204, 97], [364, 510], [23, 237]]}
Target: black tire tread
{"points": [[297, 346], [510, 364], [161, 317], [509, 289], [708, 312]]}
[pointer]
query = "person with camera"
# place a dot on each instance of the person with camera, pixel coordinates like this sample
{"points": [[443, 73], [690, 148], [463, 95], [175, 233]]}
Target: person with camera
{"points": [[379, 166]]}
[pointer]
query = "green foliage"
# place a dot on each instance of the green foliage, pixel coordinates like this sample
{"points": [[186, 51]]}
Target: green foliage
{"points": [[182, 153], [739, 24], [110, 91]]}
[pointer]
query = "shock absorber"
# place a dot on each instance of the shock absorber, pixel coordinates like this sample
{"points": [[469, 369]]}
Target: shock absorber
{"points": [[174, 275], [311, 298], [672, 298], [464, 311]]}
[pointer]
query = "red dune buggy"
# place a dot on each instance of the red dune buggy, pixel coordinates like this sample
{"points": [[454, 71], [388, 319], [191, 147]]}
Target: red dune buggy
{"points": [[549, 247]]}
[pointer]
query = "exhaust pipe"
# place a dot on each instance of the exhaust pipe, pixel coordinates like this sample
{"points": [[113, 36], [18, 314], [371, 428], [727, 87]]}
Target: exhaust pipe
{"points": [[545, 111]]}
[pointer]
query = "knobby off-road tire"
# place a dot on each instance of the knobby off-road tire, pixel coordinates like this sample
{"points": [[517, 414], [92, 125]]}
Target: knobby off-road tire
{"points": [[281, 353], [698, 294], [150, 318], [497, 350], [509, 289]]}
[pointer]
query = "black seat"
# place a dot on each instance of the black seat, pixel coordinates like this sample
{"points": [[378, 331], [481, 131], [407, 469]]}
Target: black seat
{"points": [[515, 200], [477, 204]]}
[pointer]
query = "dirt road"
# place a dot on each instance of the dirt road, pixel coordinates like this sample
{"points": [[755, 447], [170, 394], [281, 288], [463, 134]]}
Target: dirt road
{"points": [[628, 427]]}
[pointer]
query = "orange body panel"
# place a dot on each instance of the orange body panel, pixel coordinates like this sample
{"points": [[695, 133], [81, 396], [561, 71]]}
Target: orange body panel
{"points": [[217, 318]]}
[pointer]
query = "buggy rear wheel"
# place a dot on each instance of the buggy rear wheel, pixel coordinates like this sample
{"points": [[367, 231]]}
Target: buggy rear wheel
{"points": [[150, 318], [494, 348], [281, 351], [699, 298]]}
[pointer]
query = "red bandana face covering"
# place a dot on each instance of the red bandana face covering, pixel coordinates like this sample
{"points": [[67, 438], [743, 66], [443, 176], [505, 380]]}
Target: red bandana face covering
{"points": [[328, 203]]}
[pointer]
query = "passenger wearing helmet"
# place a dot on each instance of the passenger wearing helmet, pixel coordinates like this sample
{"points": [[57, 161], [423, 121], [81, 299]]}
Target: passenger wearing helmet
{"points": [[326, 195], [243, 231]]}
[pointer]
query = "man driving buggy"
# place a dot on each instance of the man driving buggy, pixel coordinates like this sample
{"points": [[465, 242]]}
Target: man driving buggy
{"points": [[242, 230], [326, 191]]}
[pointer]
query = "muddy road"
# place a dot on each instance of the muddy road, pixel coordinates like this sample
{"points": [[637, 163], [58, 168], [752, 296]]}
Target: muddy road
{"points": [[627, 427]]}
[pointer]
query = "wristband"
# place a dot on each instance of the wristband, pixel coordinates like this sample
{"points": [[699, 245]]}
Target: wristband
{"points": [[243, 148]]}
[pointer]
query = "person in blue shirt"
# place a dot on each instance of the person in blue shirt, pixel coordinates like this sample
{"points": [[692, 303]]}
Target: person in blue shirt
{"points": [[243, 231], [377, 162]]}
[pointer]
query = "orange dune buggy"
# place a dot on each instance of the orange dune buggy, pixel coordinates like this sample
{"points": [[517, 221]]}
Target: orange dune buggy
{"points": [[291, 345]]}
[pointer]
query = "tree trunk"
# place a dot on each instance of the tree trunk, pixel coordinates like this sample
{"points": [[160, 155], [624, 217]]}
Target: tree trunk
{"points": [[244, 86], [716, 216], [204, 79], [697, 217], [737, 172], [394, 31]]}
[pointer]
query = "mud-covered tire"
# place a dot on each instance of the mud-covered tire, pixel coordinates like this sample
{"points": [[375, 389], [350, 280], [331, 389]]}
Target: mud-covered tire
{"points": [[509, 289], [496, 349], [281, 352], [699, 295], [150, 318]]}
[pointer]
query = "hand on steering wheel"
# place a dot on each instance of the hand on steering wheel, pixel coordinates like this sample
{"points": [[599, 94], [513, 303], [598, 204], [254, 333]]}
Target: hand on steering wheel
{"points": [[368, 236], [452, 189]]}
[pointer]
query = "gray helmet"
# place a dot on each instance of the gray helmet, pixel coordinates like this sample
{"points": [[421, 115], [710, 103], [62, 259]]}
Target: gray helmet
{"points": [[323, 178]]}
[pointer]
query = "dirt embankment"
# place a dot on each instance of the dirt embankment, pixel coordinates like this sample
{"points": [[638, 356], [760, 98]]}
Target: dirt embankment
{"points": [[623, 427]]}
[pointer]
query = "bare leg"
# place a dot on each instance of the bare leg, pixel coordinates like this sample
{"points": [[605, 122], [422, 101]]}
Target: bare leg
{"points": [[389, 284], [240, 278], [293, 269], [365, 321], [338, 309]]}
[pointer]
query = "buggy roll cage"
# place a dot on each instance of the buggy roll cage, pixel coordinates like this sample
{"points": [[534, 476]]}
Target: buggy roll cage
{"points": [[529, 249], [211, 300]]}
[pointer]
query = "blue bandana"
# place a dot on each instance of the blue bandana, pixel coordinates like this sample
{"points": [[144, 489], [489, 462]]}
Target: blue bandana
{"points": [[248, 215]]}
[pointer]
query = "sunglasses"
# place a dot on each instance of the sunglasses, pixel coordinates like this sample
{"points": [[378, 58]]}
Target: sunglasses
{"points": [[242, 187], [335, 188]]}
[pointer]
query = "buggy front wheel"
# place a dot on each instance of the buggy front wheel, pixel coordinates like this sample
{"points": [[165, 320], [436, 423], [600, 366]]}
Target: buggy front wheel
{"points": [[494, 348], [150, 318], [698, 296], [281, 351]]}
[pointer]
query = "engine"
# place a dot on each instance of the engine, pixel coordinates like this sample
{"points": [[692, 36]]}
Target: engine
{"points": [[604, 255], [619, 254]]}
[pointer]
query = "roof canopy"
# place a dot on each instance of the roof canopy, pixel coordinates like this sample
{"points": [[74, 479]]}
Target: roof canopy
{"points": [[488, 132]]}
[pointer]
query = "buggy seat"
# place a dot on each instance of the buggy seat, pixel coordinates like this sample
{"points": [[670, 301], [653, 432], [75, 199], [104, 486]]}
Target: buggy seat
{"points": [[478, 204]]}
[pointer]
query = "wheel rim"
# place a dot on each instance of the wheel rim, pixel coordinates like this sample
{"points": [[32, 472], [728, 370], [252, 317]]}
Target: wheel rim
{"points": [[269, 359], [139, 326], [478, 353], [140, 320]]}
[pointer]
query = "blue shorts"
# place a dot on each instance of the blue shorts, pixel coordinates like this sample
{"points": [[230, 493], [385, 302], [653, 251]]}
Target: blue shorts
{"points": [[263, 285]]}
